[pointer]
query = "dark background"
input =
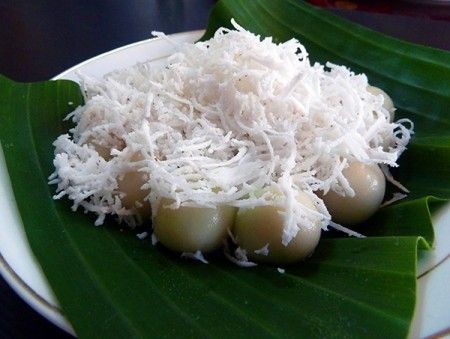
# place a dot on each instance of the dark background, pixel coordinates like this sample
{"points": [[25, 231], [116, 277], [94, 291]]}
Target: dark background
{"points": [[39, 39]]}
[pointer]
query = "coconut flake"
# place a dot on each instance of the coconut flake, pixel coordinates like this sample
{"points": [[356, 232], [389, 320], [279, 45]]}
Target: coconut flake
{"points": [[263, 250], [395, 197], [197, 255], [154, 239], [221, 120], [239, 257], [142, 235], [346, 230], [391, 179]]}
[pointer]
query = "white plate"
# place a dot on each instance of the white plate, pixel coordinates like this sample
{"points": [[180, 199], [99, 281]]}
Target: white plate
{"points": [[21, 270]]}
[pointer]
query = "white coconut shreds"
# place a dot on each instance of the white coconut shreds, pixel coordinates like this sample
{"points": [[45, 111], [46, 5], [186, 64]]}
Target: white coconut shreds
{"points": [[154, 239], [263, 250], [236, 120], [239, 257], [197, 255], [395, 197], [142, 236]]}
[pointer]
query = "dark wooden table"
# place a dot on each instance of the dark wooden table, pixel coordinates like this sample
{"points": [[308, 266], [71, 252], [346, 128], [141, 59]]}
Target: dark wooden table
{"points": [[39, 39]]}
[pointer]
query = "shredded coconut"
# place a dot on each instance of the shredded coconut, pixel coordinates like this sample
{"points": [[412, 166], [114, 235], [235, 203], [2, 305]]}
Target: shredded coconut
{"points": [[390, 178], [221, 120], [239, 257], [346, 230], [198, 255], [231, 236], [154, 239], [142, 235], [395, 197], [263, 250]]}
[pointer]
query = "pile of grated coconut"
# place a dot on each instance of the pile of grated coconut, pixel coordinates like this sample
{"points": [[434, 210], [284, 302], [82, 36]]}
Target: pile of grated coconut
{"points": [[227, 121]]}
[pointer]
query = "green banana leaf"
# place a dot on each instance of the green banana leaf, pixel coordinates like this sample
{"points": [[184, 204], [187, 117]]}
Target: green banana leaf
{"points": [[111, 284]]}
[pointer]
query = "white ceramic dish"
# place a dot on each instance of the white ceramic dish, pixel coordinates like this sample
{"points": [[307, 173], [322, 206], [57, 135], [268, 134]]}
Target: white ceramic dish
{"points": [[21, 270]]}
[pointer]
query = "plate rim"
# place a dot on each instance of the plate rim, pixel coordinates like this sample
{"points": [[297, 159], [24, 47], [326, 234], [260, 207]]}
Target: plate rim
{"points": [[61, 75]]}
